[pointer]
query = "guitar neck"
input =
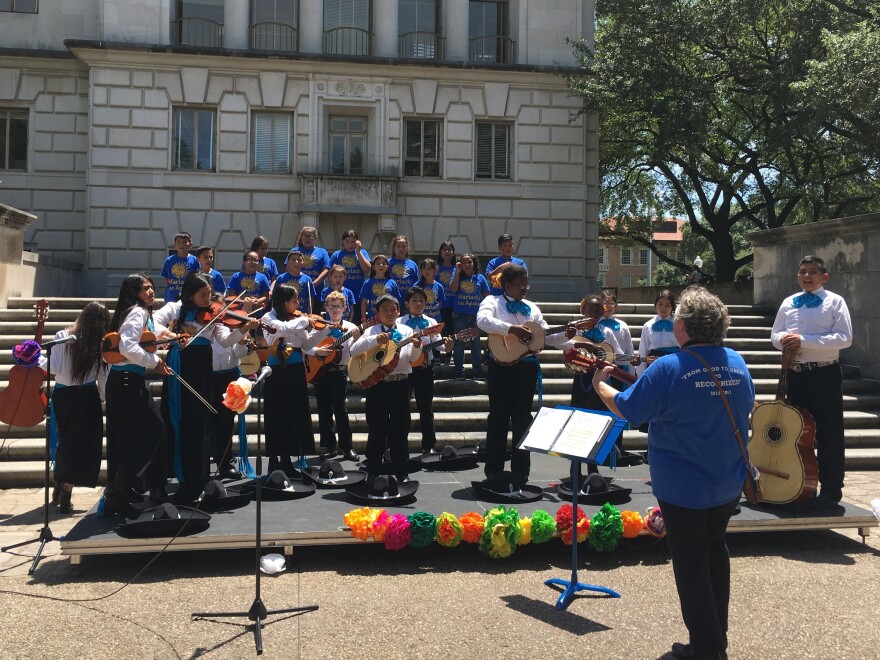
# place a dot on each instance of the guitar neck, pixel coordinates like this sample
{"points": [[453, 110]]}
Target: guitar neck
{"points": [[618, 373]]}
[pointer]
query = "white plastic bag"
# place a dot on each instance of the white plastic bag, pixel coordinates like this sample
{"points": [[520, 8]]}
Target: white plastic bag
{"points": [[272, 563]]}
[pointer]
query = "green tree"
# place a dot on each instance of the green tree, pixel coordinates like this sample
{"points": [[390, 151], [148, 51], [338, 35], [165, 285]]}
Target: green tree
{"points": [[701, 115]]}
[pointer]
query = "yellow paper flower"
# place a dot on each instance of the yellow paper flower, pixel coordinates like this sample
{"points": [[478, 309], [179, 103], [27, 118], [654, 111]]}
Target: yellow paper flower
{"points": [[526, 537]]}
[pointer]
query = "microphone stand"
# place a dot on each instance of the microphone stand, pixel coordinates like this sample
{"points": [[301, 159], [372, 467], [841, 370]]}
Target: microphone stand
{"points": [[46, 534], [257, 612]]}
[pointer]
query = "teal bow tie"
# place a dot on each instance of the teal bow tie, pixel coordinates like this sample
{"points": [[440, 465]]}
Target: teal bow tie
{"points": [[614, 324], [336, 333], [806, 300], [417, 322], [518, 307], [663, 325], [594, 334]]}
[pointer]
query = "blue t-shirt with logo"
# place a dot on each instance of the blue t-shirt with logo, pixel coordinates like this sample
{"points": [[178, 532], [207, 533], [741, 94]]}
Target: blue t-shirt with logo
{"points": [[445, 274], [269, 268], [256, 285], [373, 288], [306, 290], [315, 261], [693, 454], [471, 291], [436, 296], [354, 276], [175, 270], [404, 272], [218, 284], [497, 261], [349, 297]]}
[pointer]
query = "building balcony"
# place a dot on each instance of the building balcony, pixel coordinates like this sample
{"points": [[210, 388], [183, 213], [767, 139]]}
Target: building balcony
{"points": [[348, 193], [421, 46], [347, 41], [274, 37], [197, 32], [493, 48]]}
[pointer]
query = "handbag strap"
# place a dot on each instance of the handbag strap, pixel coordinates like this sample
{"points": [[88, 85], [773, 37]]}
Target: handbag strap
{"points": [[742, 445]]}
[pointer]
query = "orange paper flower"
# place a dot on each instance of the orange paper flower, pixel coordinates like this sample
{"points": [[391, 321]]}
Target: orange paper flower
{"points": [[472, 527], [632, 524]]}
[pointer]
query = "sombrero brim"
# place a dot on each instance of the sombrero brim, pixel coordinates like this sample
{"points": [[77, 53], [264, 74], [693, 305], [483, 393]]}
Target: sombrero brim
{"points": [[387, 467], [235, 499], [527, 493], [360, 494], [627, 459], [300, 490], [351, 478], [614, 495], [479, 451], [191, 521], [437, 461]]}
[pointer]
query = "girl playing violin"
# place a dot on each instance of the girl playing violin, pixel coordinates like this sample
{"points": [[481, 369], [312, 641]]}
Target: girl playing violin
{"points": [[135, 430], [186, 417], [288, 419], [80, 377]]}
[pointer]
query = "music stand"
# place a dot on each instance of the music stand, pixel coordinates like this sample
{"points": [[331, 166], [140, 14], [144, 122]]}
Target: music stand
{"points": [[257, 612], [46, 534]]}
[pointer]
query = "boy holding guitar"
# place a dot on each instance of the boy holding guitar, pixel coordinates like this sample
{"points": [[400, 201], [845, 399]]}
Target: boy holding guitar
{"points": [[387, 402], [816, 323]]}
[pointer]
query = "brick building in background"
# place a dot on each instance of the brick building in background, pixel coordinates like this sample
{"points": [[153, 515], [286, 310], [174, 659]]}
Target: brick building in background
{"points": [[622, 267]]}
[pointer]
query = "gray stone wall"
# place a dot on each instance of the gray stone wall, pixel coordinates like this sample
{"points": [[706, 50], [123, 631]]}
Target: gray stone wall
{"points": [[850, 248]]}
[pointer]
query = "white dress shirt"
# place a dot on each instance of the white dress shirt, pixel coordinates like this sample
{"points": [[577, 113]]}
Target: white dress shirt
{"points": [[219, 333], [224, 358], [493, 317], [130, 330], [368, 340], [825, 330], [315, 338], [651, 340], [61, 367], [610, 339], [293, 331], [426, 340]]}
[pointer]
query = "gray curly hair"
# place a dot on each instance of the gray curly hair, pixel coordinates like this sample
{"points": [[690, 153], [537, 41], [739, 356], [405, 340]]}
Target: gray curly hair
{"points": [[705, 317]]}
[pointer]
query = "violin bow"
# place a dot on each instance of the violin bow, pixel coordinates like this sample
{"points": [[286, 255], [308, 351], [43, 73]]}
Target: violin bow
{"points": [[192, 390], [209, 323]]}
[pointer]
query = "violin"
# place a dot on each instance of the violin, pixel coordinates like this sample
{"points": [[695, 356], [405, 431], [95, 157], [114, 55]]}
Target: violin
{"points": [[23, 402], [229, 318], [318, 321], [148, 342]]}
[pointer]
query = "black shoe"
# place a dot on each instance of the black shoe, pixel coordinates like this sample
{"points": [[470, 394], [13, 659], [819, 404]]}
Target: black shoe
{"points": [[825, 501], [330, 454], [56, 493], [350, 455], [159, 495], [286, 466], [132, 496], [64, 501], [686, 652], [230, 473], [115, 503], [429, 451], [274, 464], [402, 478]]}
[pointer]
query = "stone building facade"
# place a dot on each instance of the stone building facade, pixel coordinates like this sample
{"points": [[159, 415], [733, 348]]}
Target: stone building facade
{"points": [[438, 119]]}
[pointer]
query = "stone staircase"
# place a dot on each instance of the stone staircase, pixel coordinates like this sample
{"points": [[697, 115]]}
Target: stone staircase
{"points": [[460, 407]]}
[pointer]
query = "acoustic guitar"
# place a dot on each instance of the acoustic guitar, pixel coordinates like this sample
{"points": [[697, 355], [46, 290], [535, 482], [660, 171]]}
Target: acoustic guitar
{"points": [[23, 402], [508, 349], [467, 333], [369, 368], [781, 446], [582, 360], [316, 364]]}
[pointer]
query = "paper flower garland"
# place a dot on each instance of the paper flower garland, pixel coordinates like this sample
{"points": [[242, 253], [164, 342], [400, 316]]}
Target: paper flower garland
{"points": [[543, 526], [564, 524], [237, 396], [632, 524], [360, 521], [448, 532], [27, 354], [526, 536], [422, 526], [501, 533], [397, 533], [471, 527], [654, 522], [606, 526]]}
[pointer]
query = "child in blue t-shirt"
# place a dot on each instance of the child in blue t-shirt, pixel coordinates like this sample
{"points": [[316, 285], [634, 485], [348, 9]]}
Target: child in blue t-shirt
{"points": [[376, 286], [178, 266], [267, 265], [256, 285], [316, 260], [205, 255], [356, 262], [445, 272], [403, 270], [469, 287], [435, 293], [308, 297], [506, 247], [335, 281]]}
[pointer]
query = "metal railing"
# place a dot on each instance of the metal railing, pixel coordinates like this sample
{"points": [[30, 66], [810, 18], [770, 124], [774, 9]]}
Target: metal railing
{"points": [[493, 48], [347, 41], [421, 46], [198, 32], [277, 37]]}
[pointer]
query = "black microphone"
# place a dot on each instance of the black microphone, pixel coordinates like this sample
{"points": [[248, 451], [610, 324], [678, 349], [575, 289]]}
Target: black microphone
{"points": [[69, 339], [265, 372]]}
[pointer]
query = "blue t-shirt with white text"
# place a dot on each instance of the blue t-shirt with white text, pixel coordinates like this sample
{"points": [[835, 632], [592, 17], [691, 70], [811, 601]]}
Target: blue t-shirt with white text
{"points": [[354, 276], [373, 288], [471, 291], [175, 269], [256, 285], [315, 261], [497, 261], [307, 295], [404, 272]]}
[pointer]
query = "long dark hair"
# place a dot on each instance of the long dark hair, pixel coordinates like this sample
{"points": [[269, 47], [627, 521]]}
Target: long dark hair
{"points": [[193, 283], [281, 295], [129, 292], [84, 355], [258, 242], [429, 263], [445, 244]]}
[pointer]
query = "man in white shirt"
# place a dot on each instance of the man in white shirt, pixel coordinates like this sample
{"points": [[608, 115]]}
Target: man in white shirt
{"points": [[816, 323]]}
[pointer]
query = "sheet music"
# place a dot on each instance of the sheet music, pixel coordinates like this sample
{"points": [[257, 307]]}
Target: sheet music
{"points": [[583, 434], [545, 429]]}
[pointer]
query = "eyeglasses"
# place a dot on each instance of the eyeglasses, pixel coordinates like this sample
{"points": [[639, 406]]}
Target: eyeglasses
{"points": [[524, 287], [335, 306], [306, 235], [252, 261]]}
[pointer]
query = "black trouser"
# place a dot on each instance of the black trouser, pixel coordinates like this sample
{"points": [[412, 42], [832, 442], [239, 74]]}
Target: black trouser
{"points": [[701, 565], [330, 394], [511, 390], [78, 418], [288, 420], [820, 392], [421, 382], [388, 423], [223, 423]]}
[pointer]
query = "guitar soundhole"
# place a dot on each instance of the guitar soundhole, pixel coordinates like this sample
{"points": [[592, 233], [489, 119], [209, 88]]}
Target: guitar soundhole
{"points": [[774, 435], [379, 356]]}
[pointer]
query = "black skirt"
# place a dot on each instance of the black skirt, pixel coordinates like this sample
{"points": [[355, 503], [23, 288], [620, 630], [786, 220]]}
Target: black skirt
{"points": [[80, 425], [288, 418]]}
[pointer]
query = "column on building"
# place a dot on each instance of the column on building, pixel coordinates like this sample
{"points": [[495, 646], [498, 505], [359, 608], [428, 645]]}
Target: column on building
{"points": [[236, 24], [385, 28], [311, 27], [457, 30]]}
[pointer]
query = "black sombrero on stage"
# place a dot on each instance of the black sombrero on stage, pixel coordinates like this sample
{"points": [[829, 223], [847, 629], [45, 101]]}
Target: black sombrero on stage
{"points": [[506, 487], [278, 487], [479, 450], [331, 474], [448, 459], [384, 490], [596, 490], [219, 497], [165, 520], [387, 467]]}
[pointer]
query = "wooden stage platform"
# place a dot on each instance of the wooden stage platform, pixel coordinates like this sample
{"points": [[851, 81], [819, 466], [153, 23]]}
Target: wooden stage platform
{"points": [[318, 518]]}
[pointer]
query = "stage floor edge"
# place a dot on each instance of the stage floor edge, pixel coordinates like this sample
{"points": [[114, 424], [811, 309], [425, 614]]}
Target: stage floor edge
{"points": [[318, 519]]}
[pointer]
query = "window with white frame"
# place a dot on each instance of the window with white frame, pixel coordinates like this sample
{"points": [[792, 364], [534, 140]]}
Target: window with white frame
{"points": [[347, 27], [493, 150], [422, 148], [626, 281], [600, 255], [643, 257], [270, 143], [195, 140], [625, 256], [348, 145], [19, 6], [13, 138], [600, 279]]}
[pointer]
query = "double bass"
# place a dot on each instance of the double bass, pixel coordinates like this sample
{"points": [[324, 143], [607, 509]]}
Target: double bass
{"points": [[781, 446], [23, 402]]}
